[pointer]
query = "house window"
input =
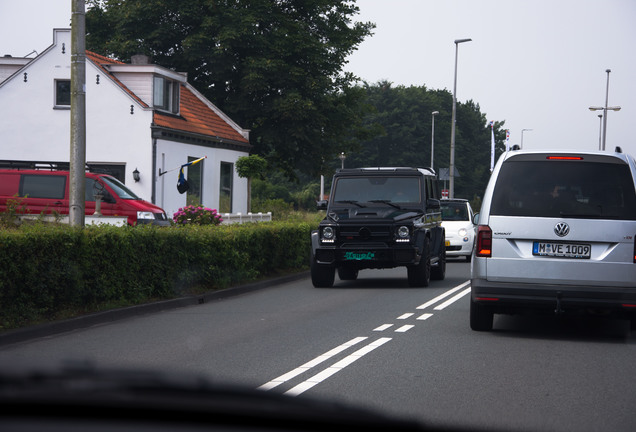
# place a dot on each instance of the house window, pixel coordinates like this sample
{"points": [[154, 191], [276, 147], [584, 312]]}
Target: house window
{"points": [[195, 179], [225, 196], [62, 93], [165, 94]]}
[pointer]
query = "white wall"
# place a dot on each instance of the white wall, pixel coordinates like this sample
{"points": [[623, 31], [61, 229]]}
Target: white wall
{"points": [[171, 155]]}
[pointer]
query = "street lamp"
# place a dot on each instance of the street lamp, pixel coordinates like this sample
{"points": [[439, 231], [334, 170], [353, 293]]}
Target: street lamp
{"points": [[451, 184], [342, 158], [522, 131], [605, 109], [600, 130], [433, 114]]}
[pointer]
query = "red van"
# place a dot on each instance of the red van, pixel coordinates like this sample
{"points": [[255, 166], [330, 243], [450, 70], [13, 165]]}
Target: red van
{"points": [[47, 192]]}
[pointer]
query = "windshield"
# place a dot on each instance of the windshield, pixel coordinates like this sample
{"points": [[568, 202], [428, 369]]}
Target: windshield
{"points": [[377, 189], [452, 211], [565, 189], [119, 188]]}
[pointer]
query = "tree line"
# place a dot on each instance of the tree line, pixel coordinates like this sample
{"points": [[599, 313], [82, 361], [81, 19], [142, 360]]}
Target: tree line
{"points": [[276, 68]]}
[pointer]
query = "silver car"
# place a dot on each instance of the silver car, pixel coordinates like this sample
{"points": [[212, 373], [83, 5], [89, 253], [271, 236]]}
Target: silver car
{"points": [[556, 234]]}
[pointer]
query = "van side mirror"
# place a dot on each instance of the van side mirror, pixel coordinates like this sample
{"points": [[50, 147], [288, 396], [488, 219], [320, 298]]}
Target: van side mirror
{"points": [[321, 205], [476, 219]]}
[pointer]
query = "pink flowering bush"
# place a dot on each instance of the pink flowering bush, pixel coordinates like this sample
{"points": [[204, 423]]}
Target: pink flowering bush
{"points": [[198, 215]]}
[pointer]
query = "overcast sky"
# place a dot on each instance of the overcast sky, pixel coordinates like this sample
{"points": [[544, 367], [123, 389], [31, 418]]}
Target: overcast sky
{"points": [[537, 64]]}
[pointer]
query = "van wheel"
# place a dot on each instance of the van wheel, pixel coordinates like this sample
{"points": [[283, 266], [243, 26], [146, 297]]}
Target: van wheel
{"points": [[439, 272], [420, 275], [322, 275], [480, 318], [347, 273]]}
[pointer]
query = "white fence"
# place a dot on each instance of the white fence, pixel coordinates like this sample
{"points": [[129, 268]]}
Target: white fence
{"points": [[229, 218]]}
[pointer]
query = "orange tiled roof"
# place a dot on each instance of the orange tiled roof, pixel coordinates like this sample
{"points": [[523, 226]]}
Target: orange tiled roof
{"points": [[194, 116]]}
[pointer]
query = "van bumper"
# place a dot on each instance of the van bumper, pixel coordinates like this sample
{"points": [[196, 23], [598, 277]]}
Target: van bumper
{"points": [[504, 297]]}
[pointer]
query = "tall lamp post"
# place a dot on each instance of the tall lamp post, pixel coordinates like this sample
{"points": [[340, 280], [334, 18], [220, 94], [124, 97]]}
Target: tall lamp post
{"points": [[451, 183], [433, 114], [522, 131], [600, 131], [342, 157], [605, 109]]}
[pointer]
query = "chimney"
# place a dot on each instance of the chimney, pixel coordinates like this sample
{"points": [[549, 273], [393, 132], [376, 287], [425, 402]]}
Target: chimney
{"points": [[140, 59]]}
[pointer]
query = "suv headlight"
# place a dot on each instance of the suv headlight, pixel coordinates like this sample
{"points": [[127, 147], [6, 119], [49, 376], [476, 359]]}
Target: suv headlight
{"points": [[145, 215], [462, 232], [404, 234], [328, 234]]}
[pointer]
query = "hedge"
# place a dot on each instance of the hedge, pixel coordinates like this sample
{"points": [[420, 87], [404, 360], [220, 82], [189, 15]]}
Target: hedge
{"points": [[49, 272]]}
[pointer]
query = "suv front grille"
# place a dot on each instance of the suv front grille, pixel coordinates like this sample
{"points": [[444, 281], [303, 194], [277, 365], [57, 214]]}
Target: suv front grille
{"points": [[365, 233]]}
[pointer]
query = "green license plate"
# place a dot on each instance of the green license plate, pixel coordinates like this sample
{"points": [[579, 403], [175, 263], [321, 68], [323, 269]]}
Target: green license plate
{"points": [[359, 256]]}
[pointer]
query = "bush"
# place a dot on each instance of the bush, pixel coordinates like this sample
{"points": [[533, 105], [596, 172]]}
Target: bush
{"points": [[197, 215], [50, 272]]}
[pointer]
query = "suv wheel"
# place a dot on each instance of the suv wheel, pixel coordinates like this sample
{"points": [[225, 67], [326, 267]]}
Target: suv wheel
{"points": [[322, 276], [439, 272], [480, 319], [347, 273], [420, 275]]}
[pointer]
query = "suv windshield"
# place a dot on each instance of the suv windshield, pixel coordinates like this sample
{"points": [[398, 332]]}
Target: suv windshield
{"points": [[573, 189], [377, 189], [119, 188]]}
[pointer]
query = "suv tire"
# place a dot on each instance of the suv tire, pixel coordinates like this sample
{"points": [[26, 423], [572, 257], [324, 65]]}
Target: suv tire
{"points": [[439, 272], [480, 319], [322, 275], [420, 275]]}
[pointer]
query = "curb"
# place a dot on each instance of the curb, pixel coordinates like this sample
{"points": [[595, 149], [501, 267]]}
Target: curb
{"points": [[50, 329]]}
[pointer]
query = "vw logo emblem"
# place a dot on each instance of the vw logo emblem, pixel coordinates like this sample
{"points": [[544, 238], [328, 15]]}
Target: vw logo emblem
{"points": [[561, 229]]}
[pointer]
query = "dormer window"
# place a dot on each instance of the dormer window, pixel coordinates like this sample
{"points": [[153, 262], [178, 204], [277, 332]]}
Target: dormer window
{"points": [[166, 94]]}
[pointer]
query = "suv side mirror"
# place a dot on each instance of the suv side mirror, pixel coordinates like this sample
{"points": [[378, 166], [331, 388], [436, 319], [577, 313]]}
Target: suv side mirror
{"points": [[321, 205], [433, 203]]}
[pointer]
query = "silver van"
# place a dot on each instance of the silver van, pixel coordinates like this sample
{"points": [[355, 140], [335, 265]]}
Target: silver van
{"points": [[556, 234]]}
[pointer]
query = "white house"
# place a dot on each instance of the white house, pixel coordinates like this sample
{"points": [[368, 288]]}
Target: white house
{"points": [[139, 117]]}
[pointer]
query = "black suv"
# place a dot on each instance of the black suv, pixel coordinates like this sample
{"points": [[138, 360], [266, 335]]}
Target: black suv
{"points": [[380, 218]]}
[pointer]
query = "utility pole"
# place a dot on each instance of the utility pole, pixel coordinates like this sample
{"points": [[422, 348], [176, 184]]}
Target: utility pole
{"points": [[77, 186]]}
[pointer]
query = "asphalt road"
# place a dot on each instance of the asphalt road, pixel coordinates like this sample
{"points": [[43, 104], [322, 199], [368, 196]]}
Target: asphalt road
{"points": [[378, 343]]}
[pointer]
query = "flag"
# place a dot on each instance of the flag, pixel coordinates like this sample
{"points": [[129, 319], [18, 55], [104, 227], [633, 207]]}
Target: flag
{"points": [[182, 183], [492, 145]]}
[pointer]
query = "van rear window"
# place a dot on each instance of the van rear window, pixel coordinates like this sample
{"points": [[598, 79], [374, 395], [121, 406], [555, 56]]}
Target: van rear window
{"points": [[43, 186], [574, 189]]}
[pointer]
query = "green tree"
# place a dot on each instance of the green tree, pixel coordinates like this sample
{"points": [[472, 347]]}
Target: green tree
{"points": [[275, 67], [404, 116], [250, 167]]}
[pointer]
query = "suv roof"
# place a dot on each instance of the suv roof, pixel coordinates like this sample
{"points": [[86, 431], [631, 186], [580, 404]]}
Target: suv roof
{"points": [[386, 170]]}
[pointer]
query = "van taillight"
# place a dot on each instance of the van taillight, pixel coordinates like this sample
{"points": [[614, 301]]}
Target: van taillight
{"points": [[484, 241]]}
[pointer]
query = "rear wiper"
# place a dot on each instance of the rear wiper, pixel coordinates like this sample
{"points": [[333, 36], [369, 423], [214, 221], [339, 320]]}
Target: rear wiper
{"points": [[387, 202], [350, 202]]}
